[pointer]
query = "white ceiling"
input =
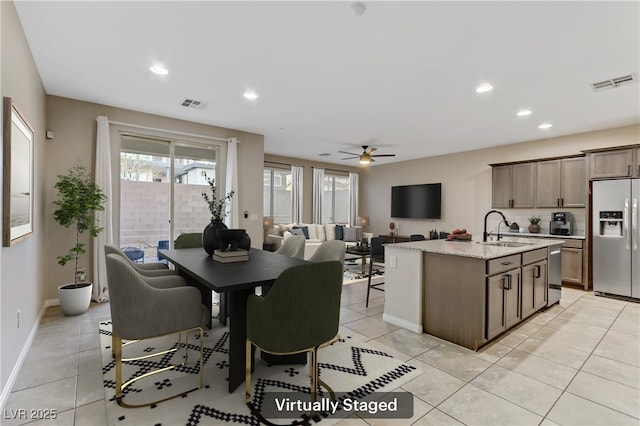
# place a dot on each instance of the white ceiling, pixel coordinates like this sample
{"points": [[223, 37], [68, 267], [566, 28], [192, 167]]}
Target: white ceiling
{"points": [[401, 76]]}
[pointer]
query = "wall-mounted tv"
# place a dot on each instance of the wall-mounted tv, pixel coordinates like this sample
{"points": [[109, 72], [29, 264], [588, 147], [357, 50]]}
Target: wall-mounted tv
{"points": [[416, 201]]}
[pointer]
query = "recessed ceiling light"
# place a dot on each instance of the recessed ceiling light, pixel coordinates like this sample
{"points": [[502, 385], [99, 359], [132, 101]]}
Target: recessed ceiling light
{"points": [[159, 69], [524, 112], [250, 95], [545, 126], [486, 87]]}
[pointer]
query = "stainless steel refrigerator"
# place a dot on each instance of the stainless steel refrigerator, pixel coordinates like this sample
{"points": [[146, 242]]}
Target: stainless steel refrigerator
{"points": [[616, 238]]}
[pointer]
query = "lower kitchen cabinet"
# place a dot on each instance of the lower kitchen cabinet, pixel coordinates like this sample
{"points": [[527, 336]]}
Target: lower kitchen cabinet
{"points": [[503, 300], [572, 262], [534, 288]]}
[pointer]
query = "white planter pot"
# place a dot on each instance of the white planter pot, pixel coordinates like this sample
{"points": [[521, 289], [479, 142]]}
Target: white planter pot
{"points": [[75, 300]]}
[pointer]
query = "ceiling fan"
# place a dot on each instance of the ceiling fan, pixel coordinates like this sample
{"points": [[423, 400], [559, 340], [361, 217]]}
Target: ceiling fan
{"points": [[367, 155]]}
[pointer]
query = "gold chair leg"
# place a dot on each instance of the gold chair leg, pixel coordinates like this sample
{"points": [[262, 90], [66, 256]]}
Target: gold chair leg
{"points": [[247, 373], [117, 345]]}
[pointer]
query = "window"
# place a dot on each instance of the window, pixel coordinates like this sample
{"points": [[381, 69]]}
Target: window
{"points": [[335, 205], [277, 195], [161, 185]]}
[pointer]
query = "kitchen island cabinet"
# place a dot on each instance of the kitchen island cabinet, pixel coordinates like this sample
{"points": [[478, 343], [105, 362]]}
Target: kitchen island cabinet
{"points": [[465, 292]]}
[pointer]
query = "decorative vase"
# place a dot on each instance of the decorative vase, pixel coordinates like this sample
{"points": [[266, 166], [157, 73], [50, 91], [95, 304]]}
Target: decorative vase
{"points": [[534, 229], [245, 243], [210, 240], [75, 299]]}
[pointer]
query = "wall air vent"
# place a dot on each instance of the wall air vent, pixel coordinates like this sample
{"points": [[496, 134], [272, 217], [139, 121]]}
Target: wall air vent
{"points": [[192, 103], [614, 82]]}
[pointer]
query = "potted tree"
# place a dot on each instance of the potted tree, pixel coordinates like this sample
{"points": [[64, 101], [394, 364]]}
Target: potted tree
{"points": [[78, 198]]}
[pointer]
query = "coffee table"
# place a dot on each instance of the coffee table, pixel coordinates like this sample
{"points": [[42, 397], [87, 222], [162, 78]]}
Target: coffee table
{"points": [[364, 252]]}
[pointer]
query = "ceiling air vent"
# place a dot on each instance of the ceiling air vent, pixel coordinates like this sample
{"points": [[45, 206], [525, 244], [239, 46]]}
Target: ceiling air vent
{"points": [[192, 103], [614, 82]]}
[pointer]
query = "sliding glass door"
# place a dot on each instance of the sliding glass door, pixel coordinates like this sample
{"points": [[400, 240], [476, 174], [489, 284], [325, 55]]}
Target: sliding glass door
{"points": [[161, 185]]}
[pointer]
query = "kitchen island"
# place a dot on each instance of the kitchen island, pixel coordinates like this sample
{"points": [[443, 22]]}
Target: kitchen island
{"points": [[465, 292]]}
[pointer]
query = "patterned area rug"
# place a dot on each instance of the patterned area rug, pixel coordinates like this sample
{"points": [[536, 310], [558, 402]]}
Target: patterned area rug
{"points": [[348, 366]]}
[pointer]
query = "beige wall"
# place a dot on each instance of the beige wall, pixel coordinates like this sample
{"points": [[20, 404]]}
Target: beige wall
{"points": [[307, 179], [23, 273], [466, 181], [74, 125]]}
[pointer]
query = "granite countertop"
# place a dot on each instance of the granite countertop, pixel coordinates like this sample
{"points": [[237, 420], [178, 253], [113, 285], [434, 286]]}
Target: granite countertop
{"points": [[477, 249], [541, 235]]}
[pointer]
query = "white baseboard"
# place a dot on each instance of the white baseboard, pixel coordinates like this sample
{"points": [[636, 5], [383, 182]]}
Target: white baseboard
{"points": [[416, 328], [6, 391]]}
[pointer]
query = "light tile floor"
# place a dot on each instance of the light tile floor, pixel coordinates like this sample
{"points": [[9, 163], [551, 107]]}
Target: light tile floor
{"points": [[577, 363]]}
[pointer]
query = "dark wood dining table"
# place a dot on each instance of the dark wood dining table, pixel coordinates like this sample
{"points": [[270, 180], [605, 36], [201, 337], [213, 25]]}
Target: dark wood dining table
{"points": [[238, 280]]}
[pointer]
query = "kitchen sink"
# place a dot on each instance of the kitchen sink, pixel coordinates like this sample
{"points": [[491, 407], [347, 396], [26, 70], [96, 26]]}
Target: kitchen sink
{"points": [[505, 243]]}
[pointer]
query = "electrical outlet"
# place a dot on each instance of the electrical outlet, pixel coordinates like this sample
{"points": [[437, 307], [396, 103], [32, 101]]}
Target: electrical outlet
{"points": [[393, 261], [18, 318]]}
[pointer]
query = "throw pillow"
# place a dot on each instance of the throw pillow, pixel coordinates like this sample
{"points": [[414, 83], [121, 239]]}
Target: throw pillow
{"points": [[359, 232], [311, 230], [350, 234], [320, 234], [330, 231], [287, 234], [297, 231], [303, 231], [339, 232]]}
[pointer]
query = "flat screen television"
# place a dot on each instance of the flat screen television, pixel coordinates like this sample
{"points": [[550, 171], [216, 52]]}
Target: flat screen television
{"points": [[416, 201]]}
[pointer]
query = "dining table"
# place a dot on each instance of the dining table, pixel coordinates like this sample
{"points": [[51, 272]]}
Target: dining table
{"points": [[238, 280]]}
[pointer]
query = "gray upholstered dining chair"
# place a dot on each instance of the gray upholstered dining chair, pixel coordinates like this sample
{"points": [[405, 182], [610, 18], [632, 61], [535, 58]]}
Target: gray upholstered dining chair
{"points": [[153, 269], [293, 246], [141, 311], [299, 315], [330, 250]]}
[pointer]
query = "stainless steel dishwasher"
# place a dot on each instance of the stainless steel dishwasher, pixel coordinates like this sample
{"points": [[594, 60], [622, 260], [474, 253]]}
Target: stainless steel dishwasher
{"points": [[554, 291]]}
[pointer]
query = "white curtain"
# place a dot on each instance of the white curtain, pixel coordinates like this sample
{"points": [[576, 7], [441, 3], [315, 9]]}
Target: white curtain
{"points": [[353, 198], [296, 193], [232, 220], [103, 218], [318, 194]]}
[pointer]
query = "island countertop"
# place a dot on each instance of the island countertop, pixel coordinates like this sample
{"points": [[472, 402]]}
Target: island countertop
{"points": [[477, 249]]}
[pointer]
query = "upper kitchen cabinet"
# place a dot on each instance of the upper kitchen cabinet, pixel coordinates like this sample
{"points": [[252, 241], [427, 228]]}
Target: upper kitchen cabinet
{"points": [[615, 163], [512, 185], [561, 183]]}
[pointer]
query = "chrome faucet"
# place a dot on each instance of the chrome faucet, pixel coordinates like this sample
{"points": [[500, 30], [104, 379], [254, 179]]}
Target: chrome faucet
{"points": [[504, 219]]}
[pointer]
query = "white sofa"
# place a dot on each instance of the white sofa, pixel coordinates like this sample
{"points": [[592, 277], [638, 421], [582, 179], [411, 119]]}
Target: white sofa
{"points": [[317, 234]]}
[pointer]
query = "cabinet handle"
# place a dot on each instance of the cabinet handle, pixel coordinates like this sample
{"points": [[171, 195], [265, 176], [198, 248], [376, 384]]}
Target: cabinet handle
{"points": [[558, 202], [506, 263], [510, 280], [638, 169], [629, 170], [538, 271]]}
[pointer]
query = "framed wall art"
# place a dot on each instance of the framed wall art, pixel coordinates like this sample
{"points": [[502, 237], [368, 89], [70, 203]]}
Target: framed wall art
{"points": [[17, 195]]}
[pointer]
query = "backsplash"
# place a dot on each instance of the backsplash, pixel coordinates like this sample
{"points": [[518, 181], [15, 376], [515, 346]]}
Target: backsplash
{"points": [[521, 216]]}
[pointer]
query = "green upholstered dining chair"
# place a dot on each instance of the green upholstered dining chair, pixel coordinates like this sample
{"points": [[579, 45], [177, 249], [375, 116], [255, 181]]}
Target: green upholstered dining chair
{"points": [[188, 240], [330, 250], [153, 269], [293, 246], [299, 314], [141, 311]]}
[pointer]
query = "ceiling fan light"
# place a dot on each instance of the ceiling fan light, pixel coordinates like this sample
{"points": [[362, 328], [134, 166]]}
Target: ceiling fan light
{"points": [[365, 159]]}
